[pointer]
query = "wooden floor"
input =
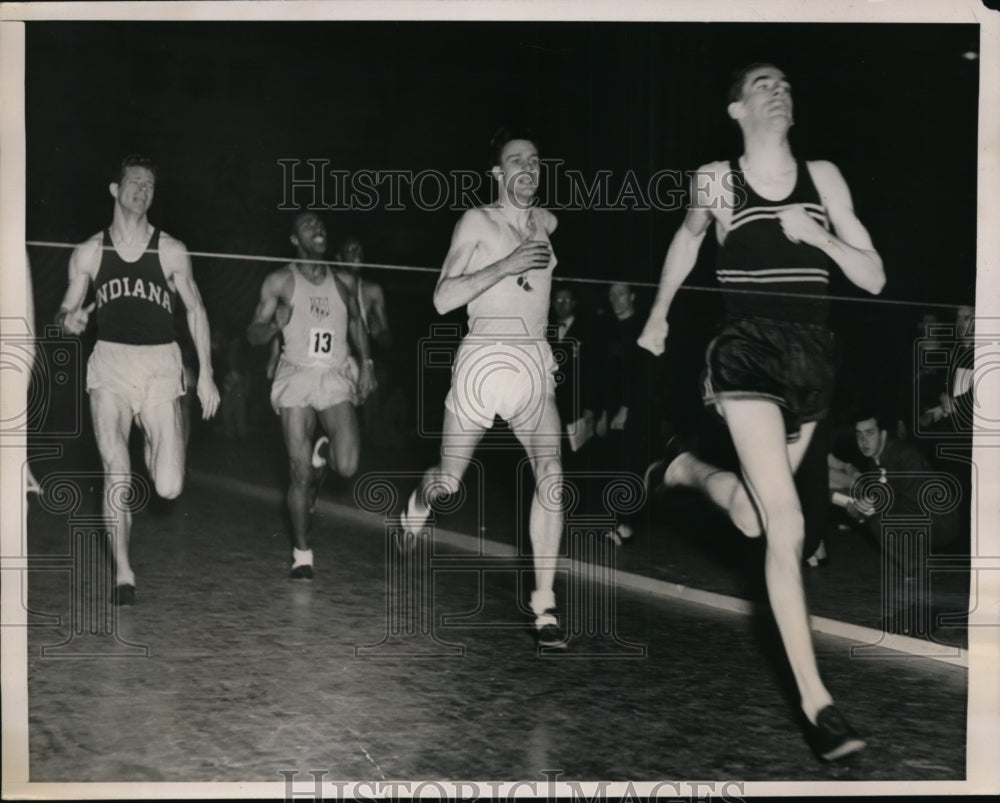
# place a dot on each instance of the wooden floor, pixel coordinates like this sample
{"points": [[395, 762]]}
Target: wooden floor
{"points": [[226, 670]]}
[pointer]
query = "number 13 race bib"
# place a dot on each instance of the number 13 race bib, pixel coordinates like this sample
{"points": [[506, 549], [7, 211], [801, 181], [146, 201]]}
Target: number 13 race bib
{"points": [[321, 343]]}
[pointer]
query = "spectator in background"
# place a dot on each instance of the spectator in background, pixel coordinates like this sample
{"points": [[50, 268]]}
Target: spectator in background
{"points": [[902, 467], [954, 401], [235, 388], [626, 380], [575, 385]]}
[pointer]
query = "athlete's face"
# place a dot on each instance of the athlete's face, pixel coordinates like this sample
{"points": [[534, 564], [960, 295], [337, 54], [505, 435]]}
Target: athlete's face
{"points": [[352, 252], [134, 191], [519, 169], [563, 304], [767, 96], [622, 300], [310, 236], [870, 438]]}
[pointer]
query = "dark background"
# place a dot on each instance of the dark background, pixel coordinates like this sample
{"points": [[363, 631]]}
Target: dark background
{"points": [[218, 104]]}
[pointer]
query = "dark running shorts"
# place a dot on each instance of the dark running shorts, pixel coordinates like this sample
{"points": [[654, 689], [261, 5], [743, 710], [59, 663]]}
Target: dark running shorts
{"points": [[788, 363]]}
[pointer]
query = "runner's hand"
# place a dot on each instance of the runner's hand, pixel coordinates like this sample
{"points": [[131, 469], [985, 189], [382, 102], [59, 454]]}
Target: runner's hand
{"points": [[530, 255], [75, 321], [654, 335], [208, 395]]}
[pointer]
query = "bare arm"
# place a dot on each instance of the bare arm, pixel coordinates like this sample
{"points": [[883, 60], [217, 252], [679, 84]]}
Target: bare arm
{"points": [[849, 245], [358, 336], [83, 264], [456, 288], [377, 317], [265, 324], [177, 267], [680, 260], [681, 257]]}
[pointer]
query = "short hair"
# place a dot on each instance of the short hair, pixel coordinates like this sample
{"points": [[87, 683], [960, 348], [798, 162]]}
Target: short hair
{"points": [[133, 160], [739, 77], [303, 214], [564, 287], [508, 134], [864, 413]]}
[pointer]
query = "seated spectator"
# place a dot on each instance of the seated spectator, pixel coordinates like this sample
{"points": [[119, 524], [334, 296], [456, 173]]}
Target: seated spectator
{"points": [[901, 466]]}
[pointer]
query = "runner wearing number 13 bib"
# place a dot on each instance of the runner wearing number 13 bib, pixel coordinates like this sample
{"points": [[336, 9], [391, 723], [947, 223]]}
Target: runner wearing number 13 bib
{"points": [[315, 369], [317, 380]]}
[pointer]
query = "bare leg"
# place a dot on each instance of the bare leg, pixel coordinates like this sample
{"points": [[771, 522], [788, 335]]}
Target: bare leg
{"points": [[164, 431], [758, 432], [545, 525], [112, 418], [344, 450], [458, 444], [724, 488], [298, 425]]}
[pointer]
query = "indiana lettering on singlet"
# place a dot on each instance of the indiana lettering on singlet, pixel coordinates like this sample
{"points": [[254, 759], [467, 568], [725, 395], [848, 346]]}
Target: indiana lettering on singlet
{"points": [[316, 334], [134, 303], [516, 305], [757, 256]]}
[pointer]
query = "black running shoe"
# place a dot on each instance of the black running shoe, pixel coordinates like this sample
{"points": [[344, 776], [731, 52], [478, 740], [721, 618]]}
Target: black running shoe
{"points": [[548, 632], [832, 738], [123, 595], [303, 572], [655, 473]]}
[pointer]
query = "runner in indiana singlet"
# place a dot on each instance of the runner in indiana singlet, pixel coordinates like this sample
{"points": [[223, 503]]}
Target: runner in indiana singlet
{"points": [[135, 305]]}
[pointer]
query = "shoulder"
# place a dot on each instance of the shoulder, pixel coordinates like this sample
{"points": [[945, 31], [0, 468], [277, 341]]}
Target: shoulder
{"points": [[547, 219], [826, 176], [280, 282], [371, 291], [711, 183], [87, 254], [171, 246], [476, 218], [345, 277], [173, 255]]}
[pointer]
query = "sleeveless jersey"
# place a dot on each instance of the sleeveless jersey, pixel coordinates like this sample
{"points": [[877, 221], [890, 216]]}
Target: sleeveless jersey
{"points": [[757, 256], [316, 333], [134, 303], [508, 308]]}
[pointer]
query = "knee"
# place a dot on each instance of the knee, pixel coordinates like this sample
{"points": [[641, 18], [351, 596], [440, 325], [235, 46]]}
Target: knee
{"points": [[347, 465], [439, 484], [169, 486], [785, 529], [549, 480]]}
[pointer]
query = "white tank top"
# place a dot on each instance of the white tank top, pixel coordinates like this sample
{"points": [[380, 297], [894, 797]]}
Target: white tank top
{"points": [[316, 334], [507, 308]]}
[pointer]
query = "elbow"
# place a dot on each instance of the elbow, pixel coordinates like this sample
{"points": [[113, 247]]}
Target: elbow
{"points": [[878, 281], [441, 305]]}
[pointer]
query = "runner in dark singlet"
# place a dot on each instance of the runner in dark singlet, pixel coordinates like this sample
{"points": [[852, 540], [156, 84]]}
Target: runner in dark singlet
{"points": [[135, 371], [778, 222]]}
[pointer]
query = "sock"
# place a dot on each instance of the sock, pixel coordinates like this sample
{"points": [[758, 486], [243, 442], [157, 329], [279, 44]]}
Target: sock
{"points": [[125, 578], [301, 557], [542, 601]]}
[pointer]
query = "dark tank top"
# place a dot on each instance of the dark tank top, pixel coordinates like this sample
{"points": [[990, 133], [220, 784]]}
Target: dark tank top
{"points": [[134, 303], [757, 256]]}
